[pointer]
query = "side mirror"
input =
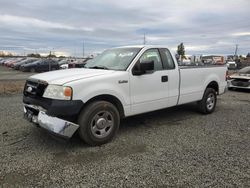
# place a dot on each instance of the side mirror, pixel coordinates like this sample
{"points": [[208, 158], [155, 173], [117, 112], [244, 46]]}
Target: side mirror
{"points": [[142, 67]]}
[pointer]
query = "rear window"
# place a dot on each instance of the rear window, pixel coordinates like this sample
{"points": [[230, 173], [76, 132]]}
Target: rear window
{"points": [[167, 59]]}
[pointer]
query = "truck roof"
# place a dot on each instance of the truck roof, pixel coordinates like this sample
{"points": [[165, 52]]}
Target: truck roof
{"points": [[142, 46]]}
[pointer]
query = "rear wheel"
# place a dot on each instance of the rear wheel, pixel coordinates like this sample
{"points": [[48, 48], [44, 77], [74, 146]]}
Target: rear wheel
{"points": [[208, 102], [99, 123]]}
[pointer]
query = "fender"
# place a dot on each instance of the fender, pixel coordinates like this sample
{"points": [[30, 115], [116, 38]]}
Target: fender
{"points": [[211, 78], [116, 84]]}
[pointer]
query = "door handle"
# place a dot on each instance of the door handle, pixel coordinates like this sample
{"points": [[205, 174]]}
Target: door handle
{"points": [[164, 79]]}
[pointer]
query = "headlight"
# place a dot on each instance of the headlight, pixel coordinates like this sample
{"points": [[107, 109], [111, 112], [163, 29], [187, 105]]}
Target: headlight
{"points": [[58, 92]]}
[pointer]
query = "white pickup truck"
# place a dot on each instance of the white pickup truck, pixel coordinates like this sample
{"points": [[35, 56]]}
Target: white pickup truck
{"points": [[120, 82]]}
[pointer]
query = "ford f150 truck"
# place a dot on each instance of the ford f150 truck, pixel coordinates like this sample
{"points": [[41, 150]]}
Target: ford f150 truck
{"points": [[120, 82]]}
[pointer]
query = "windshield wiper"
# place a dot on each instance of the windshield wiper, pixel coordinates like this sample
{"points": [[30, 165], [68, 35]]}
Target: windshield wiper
{"points": [[99, 67]]}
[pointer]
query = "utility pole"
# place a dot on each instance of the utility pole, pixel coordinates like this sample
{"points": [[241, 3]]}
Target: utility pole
{"points": [[236, 59], [236, 50], [49, 61], [144, 39]]}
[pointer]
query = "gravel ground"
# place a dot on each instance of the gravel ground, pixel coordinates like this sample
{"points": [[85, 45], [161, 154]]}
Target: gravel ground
{"points": [[174, 147]]}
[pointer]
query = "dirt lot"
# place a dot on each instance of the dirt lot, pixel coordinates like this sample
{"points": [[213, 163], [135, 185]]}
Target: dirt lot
{"points": [[12, 81], [174, 147]]}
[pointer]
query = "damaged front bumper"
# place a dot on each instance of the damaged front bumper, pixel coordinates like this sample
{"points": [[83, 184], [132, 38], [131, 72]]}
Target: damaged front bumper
{"points": [[55, 125]]}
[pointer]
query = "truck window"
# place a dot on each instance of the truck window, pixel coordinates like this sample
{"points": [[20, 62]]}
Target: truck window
{"points": [[114, 59], [152, 54], [168, 62]]}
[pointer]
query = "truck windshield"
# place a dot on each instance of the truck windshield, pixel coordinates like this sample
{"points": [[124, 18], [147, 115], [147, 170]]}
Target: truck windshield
{"points": [[114, 59]]}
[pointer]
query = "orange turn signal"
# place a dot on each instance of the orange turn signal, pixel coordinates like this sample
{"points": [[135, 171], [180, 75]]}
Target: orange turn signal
{"points": [[67, 92]]}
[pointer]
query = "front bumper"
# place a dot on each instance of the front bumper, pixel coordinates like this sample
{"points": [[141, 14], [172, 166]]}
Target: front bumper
{"points": [[55, 125]]}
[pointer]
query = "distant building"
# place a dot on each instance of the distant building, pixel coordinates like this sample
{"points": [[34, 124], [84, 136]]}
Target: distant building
{"points": [[213, 59]]}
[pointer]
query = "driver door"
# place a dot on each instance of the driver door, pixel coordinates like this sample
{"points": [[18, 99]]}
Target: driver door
{"points": [[150, 90]]}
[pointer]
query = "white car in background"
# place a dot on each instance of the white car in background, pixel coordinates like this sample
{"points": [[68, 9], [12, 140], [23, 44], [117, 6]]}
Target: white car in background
{"points": [[64, 63], [64, 66], [231, 65], [240, 79]]}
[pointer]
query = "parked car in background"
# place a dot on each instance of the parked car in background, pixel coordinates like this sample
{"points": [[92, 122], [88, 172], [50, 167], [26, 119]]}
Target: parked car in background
{"points": [[3, 60], [23, 62], [240, 79], [63, 63], [231, 65], [42, 65], [64, 66], [9, 60], [12, 63], [78, 63]]}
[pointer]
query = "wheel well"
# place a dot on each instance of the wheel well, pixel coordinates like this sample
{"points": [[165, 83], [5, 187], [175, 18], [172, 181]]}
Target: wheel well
{"points": [[214, 85], [112, 99]]}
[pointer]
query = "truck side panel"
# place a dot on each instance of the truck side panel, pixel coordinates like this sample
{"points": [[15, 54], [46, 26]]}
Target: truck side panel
{"points": [[195, 80]]}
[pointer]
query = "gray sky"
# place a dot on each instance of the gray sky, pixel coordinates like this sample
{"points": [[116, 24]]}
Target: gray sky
{"points": [[204, 26]]}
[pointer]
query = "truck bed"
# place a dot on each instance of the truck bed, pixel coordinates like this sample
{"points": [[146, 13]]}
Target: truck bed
{"points": [[194, 80]]}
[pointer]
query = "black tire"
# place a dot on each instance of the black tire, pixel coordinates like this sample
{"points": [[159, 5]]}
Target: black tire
{"points": [[208, 102], [91, 121]]}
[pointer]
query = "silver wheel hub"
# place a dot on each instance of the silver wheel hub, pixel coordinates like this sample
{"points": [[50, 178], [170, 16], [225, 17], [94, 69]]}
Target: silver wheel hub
{"points": [[210, 101], [102, 124]]}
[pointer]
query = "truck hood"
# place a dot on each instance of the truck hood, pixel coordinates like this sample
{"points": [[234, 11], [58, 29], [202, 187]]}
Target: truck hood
{"points": [[61, 77], [240, 76]]}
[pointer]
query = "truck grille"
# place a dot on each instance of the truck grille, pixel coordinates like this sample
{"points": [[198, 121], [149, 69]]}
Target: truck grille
{"points": [[34, 88]]}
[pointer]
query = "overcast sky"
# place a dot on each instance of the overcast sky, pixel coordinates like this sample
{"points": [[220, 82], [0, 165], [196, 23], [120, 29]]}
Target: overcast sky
{"points": [[204, 26]]}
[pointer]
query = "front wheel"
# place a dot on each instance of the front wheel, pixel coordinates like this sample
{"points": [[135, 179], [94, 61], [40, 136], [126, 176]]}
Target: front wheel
{"points": [[208, 102], [99, 122]]}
